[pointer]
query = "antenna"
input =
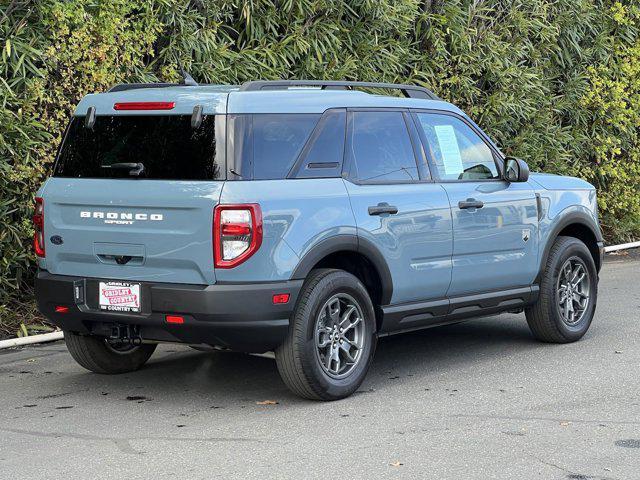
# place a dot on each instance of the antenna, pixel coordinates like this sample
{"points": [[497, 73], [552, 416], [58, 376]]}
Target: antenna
{"points": [[186, 78]]}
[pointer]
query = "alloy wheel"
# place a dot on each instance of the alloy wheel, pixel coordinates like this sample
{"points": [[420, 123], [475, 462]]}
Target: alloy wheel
{"points": [[572, 291], [339, 335]]}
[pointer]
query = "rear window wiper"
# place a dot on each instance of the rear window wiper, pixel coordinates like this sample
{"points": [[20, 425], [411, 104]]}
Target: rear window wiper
{"points": [[135, 169]]}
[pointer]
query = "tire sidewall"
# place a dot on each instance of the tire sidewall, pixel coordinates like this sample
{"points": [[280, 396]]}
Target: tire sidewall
{"points": [[573, 248], [337, 282]]}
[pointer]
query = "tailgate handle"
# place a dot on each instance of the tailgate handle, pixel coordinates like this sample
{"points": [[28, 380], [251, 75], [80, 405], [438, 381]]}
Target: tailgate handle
{"points": [[119, 253], [121, 259]]}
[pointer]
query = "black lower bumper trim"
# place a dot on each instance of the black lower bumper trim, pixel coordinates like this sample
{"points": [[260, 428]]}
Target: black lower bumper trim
{"points": [[240, 317]]}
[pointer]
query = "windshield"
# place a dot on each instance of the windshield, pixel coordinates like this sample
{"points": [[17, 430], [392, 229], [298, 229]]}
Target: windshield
{"points": [[159, 147]]}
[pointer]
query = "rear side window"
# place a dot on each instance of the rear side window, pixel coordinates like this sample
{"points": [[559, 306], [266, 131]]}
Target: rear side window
{"points": [[166, 145], [380, 148], [265, 146], [322, 156]]}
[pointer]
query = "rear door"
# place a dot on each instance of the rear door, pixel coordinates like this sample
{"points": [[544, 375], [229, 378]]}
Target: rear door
{"points": [[396, 205], [495, 223], [132, 198]]}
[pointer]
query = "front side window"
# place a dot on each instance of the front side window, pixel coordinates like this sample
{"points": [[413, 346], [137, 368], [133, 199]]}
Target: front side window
{"points": [[380, 148], [167, 147], [458, 153]]}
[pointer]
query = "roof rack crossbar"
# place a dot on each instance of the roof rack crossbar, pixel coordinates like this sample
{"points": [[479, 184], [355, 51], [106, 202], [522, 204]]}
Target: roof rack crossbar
{"points": [[411, 91]]}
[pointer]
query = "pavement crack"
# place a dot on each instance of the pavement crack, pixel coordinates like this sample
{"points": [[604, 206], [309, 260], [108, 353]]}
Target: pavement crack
{"points": [[571, 474], [543, 419], [62, 394], [124, 443]]}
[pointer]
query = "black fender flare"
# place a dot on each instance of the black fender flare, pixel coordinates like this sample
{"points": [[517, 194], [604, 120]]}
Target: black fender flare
{"points": [[348, 243], [576, 217]]}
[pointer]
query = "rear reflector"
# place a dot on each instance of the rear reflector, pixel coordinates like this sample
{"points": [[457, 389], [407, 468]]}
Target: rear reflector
{"points": [[62, 309], [144, 106], [175, 319], [281, 298]]}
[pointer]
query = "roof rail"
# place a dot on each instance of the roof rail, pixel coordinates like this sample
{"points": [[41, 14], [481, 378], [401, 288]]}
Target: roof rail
{"points": [[187, 81], [134, 86], [411, 91]]}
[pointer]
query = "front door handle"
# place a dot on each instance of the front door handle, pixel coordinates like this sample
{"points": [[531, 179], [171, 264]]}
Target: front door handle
{"points": [[470, 203], [383, 208]]}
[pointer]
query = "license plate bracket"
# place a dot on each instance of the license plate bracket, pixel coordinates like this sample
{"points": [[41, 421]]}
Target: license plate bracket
{"points": [[117, 296]]}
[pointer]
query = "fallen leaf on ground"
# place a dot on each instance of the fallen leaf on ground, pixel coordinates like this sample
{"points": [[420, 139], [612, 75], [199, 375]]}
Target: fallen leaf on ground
{"points": [[267, 402], [396, 464]]}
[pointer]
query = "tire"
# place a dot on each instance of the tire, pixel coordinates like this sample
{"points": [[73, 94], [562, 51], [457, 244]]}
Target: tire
{"points": [[96, 355], [550, 321], [315, 372]]}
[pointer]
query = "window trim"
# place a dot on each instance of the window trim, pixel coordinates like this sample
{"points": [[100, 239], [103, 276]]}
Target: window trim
{"points": [[496, 154], [348, 160]]}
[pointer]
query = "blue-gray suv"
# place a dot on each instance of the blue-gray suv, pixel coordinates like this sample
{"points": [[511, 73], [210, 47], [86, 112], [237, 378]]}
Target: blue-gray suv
{"points": [[304, 217]]}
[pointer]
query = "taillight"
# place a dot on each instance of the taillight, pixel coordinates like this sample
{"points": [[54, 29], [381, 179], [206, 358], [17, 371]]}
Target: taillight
{"points": [[237, 233], [38, 226]]}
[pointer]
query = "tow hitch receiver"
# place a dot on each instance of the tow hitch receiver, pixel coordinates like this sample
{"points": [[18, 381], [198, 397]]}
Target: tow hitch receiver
{"points": [[126, 334]]}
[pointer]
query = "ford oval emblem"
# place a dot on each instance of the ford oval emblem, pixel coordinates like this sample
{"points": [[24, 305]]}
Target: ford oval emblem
{"points": [[56, 240]]}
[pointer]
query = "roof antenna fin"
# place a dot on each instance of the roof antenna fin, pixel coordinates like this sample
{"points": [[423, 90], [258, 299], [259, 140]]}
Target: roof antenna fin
{"points": [[186, 78]]}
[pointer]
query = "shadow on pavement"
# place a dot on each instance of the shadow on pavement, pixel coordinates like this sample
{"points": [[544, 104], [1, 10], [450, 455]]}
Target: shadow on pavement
{"points": [[219, 378]]}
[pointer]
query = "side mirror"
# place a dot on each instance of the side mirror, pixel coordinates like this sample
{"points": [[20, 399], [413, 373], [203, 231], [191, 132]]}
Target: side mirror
{"points": [[516, 170]]}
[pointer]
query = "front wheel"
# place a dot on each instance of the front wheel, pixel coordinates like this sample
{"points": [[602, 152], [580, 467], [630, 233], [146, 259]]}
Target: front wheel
{"points": [[568, 293], [331, 339]]}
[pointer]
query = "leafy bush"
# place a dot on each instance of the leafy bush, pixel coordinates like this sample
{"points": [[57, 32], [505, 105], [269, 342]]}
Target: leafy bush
{"points": [[555, 82]]}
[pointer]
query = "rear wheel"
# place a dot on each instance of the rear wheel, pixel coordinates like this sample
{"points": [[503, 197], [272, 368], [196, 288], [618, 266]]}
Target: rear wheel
{"points": [[331, 339], [101, 355], [568, 293]]}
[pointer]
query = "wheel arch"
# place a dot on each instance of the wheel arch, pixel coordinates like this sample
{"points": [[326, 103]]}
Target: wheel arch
{"points": [[578, 225], [356, 255]]}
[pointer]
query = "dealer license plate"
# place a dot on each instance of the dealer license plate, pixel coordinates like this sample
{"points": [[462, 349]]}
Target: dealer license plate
{"points": [[119, 296]]}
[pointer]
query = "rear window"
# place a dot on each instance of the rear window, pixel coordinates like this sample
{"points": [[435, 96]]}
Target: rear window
{"points": [[167, 146], [266, 146]]}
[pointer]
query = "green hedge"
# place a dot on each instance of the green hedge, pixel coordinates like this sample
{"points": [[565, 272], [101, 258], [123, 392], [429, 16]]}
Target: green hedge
{"points": [[555, 82]]}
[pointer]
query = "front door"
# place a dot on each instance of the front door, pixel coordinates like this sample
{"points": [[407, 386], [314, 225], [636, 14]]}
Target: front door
{"points": [[495, 223]]}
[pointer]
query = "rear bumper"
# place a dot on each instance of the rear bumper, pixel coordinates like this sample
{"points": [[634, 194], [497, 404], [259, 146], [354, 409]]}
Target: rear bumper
{"points": [[237, 316]]}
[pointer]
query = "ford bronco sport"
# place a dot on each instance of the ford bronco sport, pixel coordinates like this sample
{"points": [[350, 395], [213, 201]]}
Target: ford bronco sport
{"points": [[304, 217]]}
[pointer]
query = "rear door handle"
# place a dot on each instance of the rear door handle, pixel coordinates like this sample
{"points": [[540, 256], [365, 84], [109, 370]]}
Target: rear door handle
{"points": [[470, 203], [383, 208]]}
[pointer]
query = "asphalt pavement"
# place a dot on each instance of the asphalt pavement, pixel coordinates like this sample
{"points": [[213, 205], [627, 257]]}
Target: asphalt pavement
{"points": [[480, 399]]}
